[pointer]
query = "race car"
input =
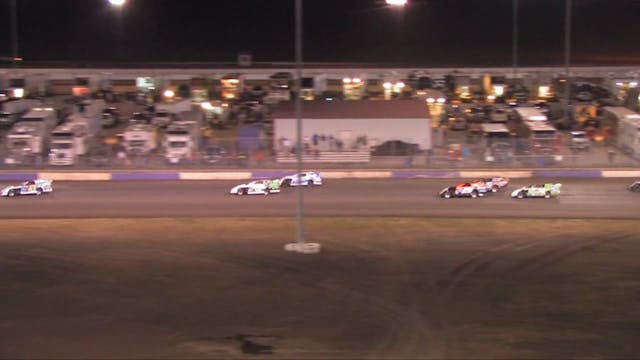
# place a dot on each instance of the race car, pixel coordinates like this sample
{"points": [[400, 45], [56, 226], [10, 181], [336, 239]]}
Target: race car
{"points": [[635, 186], [495, 183], [259, 187], [30, 187], [544, 190], [302, 179], [462, 190]]}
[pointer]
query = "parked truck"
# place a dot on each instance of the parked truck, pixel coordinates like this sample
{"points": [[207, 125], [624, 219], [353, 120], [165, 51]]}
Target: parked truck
{"points": [[139, 139], [12, 110], [167, 112], [182, 138], [26, 142]]}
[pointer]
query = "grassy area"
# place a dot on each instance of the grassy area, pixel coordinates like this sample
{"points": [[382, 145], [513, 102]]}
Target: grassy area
{"points": [[381, 287]]}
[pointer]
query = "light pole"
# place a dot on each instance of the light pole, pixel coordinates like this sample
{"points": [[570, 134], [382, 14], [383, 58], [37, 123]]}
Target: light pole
{"points": [[14, 33], [514, 47], [300, 245], [567, 55]]}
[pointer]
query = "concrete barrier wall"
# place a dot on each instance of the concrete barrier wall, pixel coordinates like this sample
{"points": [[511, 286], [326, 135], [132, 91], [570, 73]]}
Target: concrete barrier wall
{"points": [[330, 174]]}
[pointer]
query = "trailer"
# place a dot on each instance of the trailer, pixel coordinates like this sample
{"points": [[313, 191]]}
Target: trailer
{"points": [[46, 115], [140, 139], [627, 128], [12, 110], [26, 142], [167, 112], [182, 138]]}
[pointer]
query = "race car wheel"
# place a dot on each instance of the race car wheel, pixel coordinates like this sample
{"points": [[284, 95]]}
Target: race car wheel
{"points": [[12, 193], [520, 195], [39, 191], [474, 194], [547, 195], [240, 192], [494, 188], [286, 183], [447, 195], [267, 192], [635, 188]]}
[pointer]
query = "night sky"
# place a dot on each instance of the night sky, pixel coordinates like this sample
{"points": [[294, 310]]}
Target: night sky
{"points": [[427, 32]]}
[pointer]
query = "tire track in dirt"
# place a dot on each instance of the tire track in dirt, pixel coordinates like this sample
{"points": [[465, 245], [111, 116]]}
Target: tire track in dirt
{"points": [[487, 273], [408, 334]]}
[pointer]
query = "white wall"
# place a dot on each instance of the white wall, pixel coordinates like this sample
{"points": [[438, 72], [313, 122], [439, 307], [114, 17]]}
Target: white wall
{"points": [[417, 131]]}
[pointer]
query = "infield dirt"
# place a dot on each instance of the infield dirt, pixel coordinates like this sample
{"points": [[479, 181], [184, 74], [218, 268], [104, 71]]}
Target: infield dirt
{"points": [[380, 288]]}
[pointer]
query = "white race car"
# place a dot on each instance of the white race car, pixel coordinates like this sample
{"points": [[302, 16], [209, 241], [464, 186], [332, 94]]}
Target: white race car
{"points": [[257, 187], [543, 190], [30, 187], [496, 183], [302, 179]]}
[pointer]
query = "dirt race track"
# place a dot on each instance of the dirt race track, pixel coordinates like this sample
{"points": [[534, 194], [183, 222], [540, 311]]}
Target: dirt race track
{"points": [[381, 288]]}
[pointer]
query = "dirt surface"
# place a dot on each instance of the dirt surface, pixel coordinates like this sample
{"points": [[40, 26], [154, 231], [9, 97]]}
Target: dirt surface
{"points": [[380, 288]]}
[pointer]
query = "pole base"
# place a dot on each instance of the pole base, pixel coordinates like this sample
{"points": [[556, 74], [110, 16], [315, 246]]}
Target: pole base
{"points": [[303, 248]]}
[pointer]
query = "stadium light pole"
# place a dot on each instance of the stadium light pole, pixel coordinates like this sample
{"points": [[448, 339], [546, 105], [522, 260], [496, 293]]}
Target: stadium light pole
{"points": [[514, 46], [298, 105], [300, 245], [567, 55], [14, 33]]}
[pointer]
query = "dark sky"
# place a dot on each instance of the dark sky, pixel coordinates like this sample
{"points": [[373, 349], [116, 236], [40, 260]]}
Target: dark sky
{"points": [[427, 32]]}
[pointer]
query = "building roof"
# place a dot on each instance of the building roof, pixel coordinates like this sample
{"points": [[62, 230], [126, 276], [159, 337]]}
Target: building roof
{"points": [[355, 109]]}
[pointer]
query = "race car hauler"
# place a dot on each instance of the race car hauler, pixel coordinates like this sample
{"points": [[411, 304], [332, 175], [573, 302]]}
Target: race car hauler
{"points": [[139, 139], [26, 142], [11, 110], [72, 139], [65, 143], [165, 113], [499, 146], [182, 138], [529, 114], [627, 128], [45, 115]]}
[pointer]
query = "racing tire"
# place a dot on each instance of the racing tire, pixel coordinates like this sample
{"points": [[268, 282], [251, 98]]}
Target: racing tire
{"points": [[38, 191], [547, 195], [447, 195], [240, 192], [494, 188], [520, 195], [635, 188], [267, 192], [286, 183], [474, 194], [11, 193]]}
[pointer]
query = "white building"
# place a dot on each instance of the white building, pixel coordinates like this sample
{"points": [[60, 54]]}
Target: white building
{"points": [[354, 124]]}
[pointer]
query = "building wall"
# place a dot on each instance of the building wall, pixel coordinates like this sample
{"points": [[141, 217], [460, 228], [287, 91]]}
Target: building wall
{"points": [[377, 131]]}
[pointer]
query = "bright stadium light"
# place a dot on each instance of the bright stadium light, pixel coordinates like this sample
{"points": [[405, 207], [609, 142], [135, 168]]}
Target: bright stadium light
{"points": [[397, 2], [117, 2]]}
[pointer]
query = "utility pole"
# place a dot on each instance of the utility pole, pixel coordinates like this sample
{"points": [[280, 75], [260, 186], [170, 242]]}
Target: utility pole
{"points": [[14, 33]]}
